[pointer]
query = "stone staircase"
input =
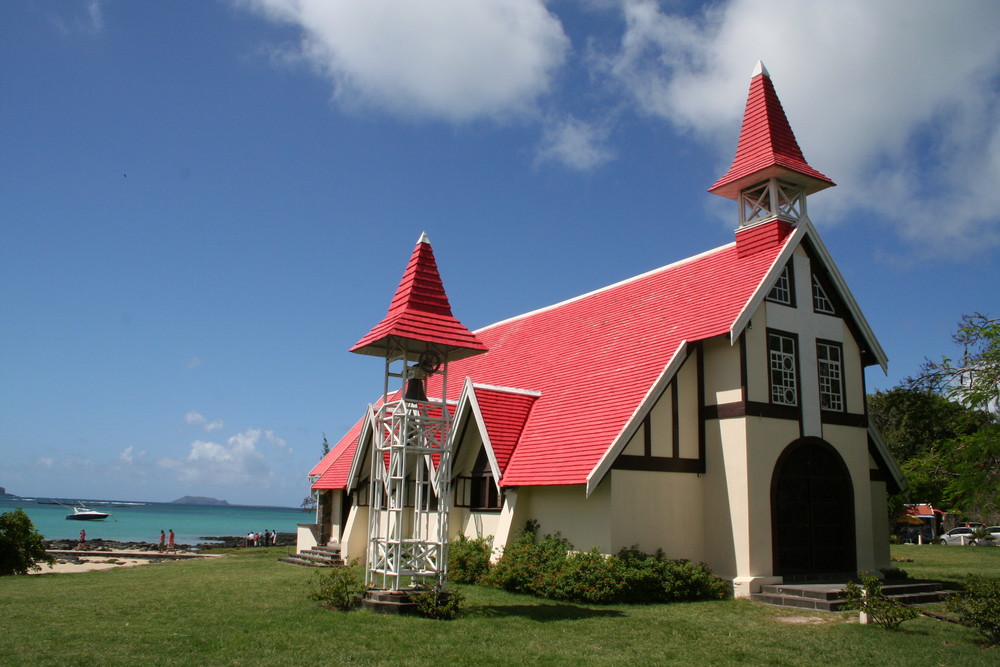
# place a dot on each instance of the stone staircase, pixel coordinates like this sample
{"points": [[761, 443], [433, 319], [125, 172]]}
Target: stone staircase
{"points": [[828, 596], [318, 556]]}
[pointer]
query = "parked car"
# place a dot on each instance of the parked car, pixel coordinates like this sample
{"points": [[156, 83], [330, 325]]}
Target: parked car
{"points": [[962, 535]]}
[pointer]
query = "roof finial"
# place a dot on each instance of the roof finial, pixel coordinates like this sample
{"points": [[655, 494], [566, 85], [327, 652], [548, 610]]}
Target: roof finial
{"points": [[760, 69], [423, 238]]}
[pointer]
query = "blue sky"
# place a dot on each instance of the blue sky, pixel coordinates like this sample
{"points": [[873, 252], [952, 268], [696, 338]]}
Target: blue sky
{"points": [[206, 203]]}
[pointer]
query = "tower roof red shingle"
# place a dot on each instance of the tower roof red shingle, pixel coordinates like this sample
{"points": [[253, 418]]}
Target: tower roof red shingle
{"points": [[421, 314], [767, 146]]}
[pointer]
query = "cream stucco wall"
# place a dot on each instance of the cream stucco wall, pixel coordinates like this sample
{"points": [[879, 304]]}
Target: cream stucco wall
{"points": [[585, 522], [354, 541], [722, 371], [657, 510]]}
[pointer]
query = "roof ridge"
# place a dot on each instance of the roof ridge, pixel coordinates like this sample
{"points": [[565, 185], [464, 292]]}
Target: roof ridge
{"points": [[606, 288], [506, 390]]}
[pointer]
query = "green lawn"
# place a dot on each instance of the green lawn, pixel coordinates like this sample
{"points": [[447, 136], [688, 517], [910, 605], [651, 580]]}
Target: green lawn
{"points": [[250, 609]]}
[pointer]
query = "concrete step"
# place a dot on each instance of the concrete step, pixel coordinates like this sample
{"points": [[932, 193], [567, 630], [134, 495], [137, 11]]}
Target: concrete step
{"points": [[829, 596], [318, 556]]}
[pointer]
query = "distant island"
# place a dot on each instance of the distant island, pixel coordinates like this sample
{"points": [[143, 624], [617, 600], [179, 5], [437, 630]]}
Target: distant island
{"points": [[199, 500]]}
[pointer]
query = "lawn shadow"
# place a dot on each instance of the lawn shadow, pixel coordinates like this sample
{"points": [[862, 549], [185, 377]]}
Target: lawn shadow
{"points": [[542, 613]]}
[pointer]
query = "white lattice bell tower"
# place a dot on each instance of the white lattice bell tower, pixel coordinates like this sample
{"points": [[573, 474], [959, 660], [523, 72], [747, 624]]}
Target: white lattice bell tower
{"points": [[410, 458]]}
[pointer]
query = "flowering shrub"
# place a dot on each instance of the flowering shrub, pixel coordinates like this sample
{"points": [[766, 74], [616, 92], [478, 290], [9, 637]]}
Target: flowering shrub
{"points": [[469, 559], [550, 569]]}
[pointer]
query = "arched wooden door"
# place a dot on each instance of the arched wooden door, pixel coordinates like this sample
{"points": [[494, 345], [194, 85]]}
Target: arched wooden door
{"points": [[812, 511]]}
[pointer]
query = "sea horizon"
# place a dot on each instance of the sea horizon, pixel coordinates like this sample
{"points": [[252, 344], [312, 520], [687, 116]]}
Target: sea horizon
{"points": [[142, 521]]}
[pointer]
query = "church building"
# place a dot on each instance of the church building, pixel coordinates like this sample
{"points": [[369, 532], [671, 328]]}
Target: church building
{"points": [[714, 408]]}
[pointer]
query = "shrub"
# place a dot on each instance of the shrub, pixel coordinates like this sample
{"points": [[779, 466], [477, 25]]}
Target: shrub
{"points": [[867, 598], [526, 567], [549, 569], [589, 576], [979, 605], [21, 546], [438, 604], [469, 559], [340, 587]]}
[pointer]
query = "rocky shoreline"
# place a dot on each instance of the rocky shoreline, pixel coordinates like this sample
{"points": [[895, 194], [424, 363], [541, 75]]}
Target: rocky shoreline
{"points": [[225, 542]]}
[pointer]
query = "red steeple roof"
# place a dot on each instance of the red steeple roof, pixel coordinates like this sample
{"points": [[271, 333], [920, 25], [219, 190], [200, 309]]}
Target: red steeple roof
{"points": [[420, 313], [767, 146]]}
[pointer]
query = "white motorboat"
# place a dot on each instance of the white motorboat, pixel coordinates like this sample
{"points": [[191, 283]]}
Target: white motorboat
{"points": [[86, 514]]}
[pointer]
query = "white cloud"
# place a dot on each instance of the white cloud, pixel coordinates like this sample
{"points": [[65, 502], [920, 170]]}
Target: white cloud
{"points": [[193, 363], [195, 418], [91, 23], [46, 462], [233, 463], [896, 101], [450, 59], [575, 144], [126, 455]]}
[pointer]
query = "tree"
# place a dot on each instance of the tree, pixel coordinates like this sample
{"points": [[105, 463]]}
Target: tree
{"points": [[21, 546], [326, 446], [949, 452], [973, 380], [912, 420]]}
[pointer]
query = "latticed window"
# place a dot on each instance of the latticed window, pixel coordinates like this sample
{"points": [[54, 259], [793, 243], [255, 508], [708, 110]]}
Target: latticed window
{"points": [[821, 303], [831, 376], [782, 290], [781, 350]]}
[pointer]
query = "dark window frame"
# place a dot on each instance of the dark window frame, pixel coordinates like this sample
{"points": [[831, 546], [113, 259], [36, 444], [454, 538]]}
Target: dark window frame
{"points": [[771, 369]]}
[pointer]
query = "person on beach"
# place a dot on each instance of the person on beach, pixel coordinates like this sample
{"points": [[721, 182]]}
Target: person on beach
{"points": [[83, 539], [250, 539], [170, 542], [162, 538]]}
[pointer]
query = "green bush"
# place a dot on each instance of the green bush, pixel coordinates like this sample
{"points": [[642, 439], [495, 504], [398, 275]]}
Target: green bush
{"points": [[21, 546], [550, 569], [979, 605], [340, 587], [438, 604], [867, 598], [469, 559]]}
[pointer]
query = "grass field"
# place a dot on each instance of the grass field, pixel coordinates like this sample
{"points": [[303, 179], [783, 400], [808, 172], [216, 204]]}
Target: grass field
{"points": [[250, 609]]}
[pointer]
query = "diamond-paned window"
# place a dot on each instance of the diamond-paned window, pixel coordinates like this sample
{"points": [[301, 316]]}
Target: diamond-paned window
{"points": [[781, 352], [831, 376], [821, 302], [782, 290]]}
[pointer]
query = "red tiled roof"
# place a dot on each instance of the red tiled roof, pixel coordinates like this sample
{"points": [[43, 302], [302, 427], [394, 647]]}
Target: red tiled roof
{"points": [[336, 465], [594, 358], [420, 312], [767, 146], [505, 412]]}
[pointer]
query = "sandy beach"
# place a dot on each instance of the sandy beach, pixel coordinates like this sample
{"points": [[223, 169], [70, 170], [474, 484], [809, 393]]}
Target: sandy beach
{"points": [[91, 563], [74, 560]]}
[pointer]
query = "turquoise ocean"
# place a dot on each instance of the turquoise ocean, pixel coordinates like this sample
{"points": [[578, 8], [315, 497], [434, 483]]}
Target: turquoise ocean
{"points": [[137, 521]]}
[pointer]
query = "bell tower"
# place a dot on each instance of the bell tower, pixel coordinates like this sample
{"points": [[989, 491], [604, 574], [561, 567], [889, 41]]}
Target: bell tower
{"points": [[769, 177], [409, 483]]}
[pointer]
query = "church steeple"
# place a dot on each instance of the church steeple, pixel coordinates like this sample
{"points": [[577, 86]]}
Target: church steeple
{"points": [[769, 175]]}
